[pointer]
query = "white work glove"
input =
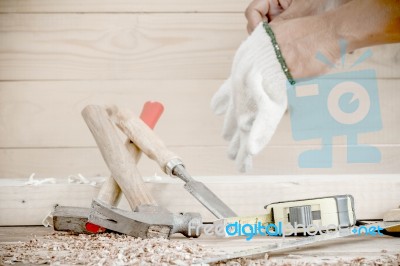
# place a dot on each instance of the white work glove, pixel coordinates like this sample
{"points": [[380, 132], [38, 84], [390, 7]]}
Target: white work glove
{"points": [[253, 98]]}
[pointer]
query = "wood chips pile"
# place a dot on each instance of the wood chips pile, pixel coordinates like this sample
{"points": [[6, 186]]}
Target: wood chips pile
{"points": [[101, 249], [115, 249]]}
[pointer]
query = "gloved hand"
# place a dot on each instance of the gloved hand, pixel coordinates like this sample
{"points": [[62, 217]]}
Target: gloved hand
{"points": [[253, 98]]}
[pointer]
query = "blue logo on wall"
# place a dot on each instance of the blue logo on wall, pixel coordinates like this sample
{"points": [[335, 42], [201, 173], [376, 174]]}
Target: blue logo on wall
{"points": [[339, 104]]}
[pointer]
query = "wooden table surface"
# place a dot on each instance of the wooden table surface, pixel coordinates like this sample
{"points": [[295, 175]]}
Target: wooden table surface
{"points": [[357, 248]]}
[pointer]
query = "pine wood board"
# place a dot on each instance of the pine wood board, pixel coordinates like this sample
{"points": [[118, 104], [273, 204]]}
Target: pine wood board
{"points": [[374, 194], [118, 46], [51, 110], [136, 46], [200, 161], [121, 6]]}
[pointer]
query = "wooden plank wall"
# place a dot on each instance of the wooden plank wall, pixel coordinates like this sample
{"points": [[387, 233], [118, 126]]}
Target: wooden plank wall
{"points": [[58, 56]]}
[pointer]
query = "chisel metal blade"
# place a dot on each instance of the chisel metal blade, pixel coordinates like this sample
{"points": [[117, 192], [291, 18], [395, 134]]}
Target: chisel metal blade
{"points": [[209, 200], [203, 194]]}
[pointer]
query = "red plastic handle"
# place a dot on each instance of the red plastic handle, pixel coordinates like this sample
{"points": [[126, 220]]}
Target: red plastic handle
{"points": [[94, 228], [151, 112]]}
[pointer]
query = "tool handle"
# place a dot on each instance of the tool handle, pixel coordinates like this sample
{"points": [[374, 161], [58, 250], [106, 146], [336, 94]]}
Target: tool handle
{"points": [[117, 155], [110, 192], [151, 112], [140, 134]]}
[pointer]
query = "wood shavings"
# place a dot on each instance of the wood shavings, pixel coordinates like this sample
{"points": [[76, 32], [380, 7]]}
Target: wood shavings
{"points": [[102, 249], [155, 178], [114, 249], [35, 182], [80, 179]]}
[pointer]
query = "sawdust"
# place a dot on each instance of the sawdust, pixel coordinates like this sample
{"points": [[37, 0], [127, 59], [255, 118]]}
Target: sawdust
{"points": [[104, 249], [114, 249]]}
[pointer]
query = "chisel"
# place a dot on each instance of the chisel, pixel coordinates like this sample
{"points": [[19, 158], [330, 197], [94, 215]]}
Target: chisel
{"points": [[150, 144]]}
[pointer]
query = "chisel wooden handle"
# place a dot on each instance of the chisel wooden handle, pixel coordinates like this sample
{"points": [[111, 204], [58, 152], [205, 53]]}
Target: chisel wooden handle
{"points": [[118, 157], [110, 192], [152, 146], [140, 134]]}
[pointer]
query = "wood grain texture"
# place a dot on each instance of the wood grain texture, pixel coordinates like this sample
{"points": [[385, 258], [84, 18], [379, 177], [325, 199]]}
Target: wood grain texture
{"points": [[200, 161], [123, 6], [52, 65], [51, 111], [373, 194], [106, 46], [135, 46], [110, 192]]}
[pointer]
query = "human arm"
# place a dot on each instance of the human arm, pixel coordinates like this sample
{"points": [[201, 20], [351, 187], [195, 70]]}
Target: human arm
{"points": [[360, 23], [253, 98], [268, 10]]}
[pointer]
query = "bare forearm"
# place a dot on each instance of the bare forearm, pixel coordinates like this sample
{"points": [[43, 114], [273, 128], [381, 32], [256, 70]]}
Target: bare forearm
{"points": [[365, 23], [278, 10], [333, 4], [360, 23], [303, 8]]}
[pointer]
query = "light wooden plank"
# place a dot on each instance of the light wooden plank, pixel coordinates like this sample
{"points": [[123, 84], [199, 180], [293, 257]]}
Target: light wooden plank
{"points": [[51, 110], [353, 250], [123, 6], [122, 46], [374, 194], [200, 161], [14, 234], [135, 46], [47, 113]]}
